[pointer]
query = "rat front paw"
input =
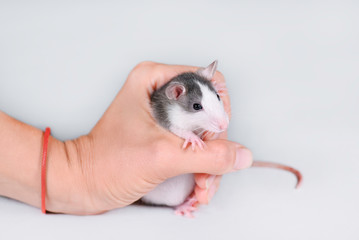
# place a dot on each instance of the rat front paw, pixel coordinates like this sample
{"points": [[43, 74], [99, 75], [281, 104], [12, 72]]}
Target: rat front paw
{"points": [[194, 140]]}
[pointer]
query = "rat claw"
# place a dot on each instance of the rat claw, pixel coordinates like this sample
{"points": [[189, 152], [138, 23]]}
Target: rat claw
{"points": [[185, 144], [189, 214], [201, 144], [192, 209], [194, 140], [179, 213], [196, 143]]}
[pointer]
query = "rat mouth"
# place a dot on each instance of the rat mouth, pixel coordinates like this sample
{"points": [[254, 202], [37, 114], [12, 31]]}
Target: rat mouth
{"points": [[217, 128], [208, 131]]}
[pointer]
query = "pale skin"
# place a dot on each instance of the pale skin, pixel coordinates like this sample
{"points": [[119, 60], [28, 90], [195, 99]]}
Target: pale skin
{"points": [[123, 157]]}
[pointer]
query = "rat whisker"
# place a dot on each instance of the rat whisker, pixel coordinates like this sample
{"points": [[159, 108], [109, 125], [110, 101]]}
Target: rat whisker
{"points": [[215, 127]]}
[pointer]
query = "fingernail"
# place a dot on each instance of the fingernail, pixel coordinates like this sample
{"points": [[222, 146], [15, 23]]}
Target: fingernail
{"points": [[244, 158], [209, 181], [211, 192]]}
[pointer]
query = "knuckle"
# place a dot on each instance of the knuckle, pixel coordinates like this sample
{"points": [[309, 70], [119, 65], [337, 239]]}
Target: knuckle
{"points": [[223, 157], [142, 71], [143, 66]]}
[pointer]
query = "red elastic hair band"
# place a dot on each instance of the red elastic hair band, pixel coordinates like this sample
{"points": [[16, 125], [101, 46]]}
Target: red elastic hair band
{"points": [[43, 169]]}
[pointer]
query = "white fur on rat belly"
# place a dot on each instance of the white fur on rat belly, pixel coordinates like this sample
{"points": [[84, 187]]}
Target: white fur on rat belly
{"points": [[180, 187]]}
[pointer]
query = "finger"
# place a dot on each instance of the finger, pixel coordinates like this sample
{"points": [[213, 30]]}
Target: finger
{"points": [[213, 188], [220, 156], [205, 195], [202, 180]]}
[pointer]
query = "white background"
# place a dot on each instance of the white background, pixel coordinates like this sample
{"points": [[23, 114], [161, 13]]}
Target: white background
{"points": [[292, 69]]}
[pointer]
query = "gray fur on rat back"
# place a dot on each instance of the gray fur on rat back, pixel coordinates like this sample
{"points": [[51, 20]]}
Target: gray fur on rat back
{"points": [[160, 102]]}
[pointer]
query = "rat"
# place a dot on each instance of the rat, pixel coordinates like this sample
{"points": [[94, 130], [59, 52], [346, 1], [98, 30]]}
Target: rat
{"points": [[190, 106]]}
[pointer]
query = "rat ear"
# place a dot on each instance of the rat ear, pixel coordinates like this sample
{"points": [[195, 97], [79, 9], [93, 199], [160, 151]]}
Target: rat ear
{"points": [[175, 90], [209, 71]]}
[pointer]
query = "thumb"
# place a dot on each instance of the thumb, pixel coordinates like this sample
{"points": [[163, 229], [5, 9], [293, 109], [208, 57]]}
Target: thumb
{"points": [[218, 157]]}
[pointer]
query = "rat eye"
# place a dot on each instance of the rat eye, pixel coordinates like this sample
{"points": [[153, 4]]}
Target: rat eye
{"points": [[197, 106], [219, 99]]}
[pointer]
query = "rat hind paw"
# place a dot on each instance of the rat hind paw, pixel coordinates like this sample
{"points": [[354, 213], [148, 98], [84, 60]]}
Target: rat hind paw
{"points": [[187, 208], [194, 140]]}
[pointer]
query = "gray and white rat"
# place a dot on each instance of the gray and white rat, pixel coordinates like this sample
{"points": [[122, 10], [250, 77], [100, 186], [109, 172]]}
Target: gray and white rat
{"points": [[190, 106]]}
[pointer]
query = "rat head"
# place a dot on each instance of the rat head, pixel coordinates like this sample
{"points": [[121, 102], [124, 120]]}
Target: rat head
{"points": [[195, 104]]}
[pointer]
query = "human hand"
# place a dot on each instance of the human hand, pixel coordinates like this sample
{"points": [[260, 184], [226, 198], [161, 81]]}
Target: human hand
{"points": [[127, 153]]}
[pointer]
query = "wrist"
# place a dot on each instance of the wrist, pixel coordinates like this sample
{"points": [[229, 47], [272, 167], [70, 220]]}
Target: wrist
{"points": [[20, 168], [68, 177]]}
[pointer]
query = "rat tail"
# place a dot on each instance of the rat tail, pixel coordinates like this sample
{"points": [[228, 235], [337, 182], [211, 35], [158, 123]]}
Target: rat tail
{"points": [[280, 166]]}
